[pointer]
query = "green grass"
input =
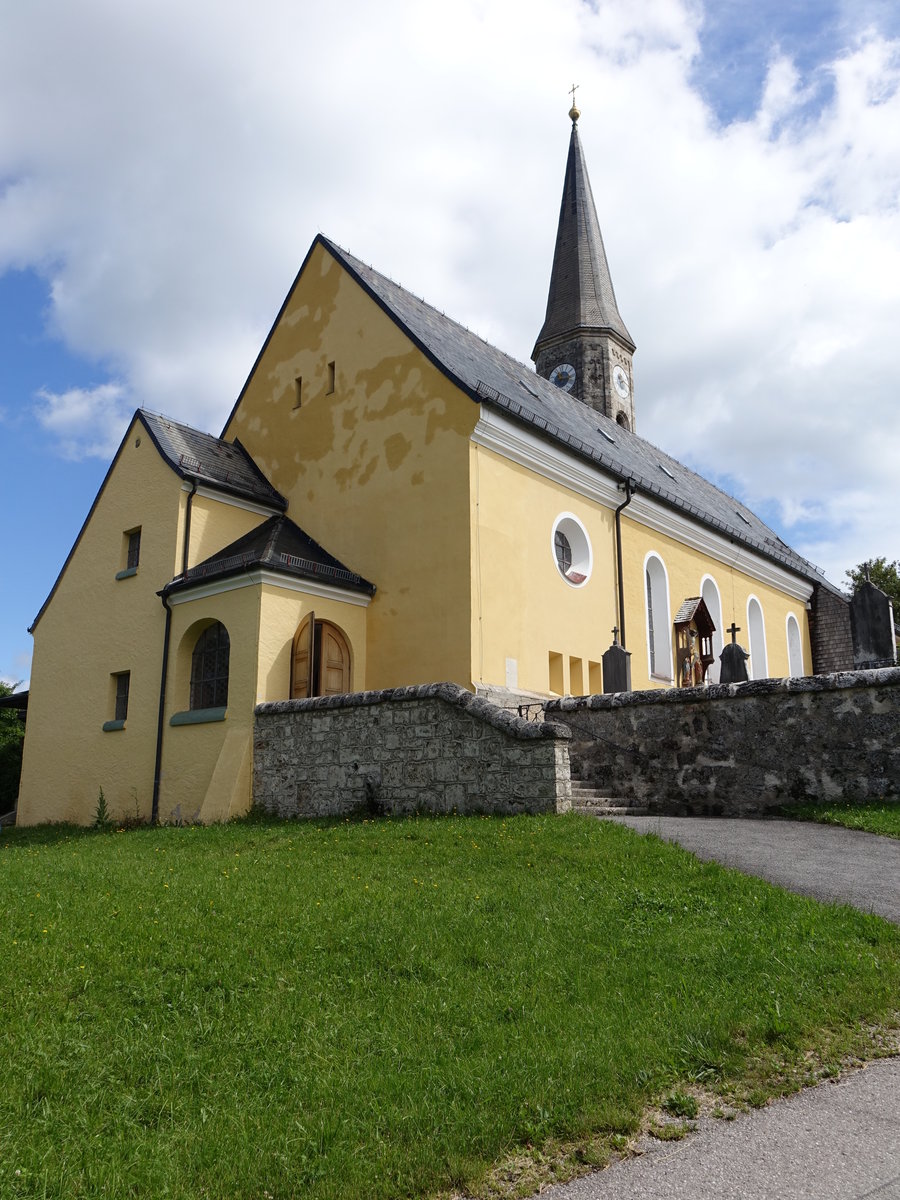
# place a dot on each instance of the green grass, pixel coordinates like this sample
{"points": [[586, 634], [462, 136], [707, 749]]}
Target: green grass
{"points": [[881, 818], [385, 1009]]}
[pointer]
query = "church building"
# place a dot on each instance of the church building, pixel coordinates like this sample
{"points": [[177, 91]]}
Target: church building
{"points": [[393, 501]]}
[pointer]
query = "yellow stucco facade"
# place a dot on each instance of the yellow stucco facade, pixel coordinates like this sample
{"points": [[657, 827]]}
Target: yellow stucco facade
{"points": [[535, 630], [355, 435], [373, 461]]}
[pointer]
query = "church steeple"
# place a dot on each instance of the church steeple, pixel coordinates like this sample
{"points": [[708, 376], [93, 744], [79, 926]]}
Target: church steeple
{"points": [[584, 346]]}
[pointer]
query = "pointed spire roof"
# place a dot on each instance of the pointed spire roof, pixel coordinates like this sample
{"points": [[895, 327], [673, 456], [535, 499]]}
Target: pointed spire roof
{"points": [[581, 291]]}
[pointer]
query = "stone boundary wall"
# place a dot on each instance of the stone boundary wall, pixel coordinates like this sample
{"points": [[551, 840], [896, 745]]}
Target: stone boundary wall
{"points": [[742, 748], [434, 748]]}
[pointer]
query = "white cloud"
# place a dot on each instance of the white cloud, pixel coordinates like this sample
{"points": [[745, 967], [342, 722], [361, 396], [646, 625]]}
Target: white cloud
{"points": [[166, 167], [86, 422]]}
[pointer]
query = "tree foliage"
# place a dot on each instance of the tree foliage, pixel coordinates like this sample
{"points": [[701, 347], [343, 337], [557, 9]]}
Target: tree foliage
{"points": [[884, 574], [12, 735]]}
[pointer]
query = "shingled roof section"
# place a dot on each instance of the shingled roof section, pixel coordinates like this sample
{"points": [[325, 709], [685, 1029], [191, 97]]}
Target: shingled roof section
{"points": [[581, 292], [497, 380], [276, 545], [223, 465]]}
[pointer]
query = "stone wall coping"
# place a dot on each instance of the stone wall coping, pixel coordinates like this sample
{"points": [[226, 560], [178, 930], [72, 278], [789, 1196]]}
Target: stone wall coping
{"points": [[839, 681], [449, 693]]}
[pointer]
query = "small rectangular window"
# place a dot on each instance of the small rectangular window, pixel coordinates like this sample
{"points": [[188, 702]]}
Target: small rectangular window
{"points": [[330, 387], [130, 553], [298, 386], [123, 683]]}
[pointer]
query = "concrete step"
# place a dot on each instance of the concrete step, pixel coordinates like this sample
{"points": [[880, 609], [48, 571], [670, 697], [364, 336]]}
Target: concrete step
{"points": [[600, 802], [611, 810]]}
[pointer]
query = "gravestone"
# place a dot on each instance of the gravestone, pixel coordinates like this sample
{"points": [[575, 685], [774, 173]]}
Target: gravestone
{"points": [[734, 660], [616, 667], [872, 627]]}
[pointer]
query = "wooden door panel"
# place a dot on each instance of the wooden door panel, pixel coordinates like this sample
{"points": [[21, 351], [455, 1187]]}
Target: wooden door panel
{"points": [[302, 663], [334, 670]]}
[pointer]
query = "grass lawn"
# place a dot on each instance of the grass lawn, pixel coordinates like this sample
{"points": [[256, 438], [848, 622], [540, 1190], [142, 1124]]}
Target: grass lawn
{"points": [[385, 1009], [873, 818]]}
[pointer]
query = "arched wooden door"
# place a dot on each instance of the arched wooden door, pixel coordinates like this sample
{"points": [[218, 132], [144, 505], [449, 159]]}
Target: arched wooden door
{"points": [[321, 660]]}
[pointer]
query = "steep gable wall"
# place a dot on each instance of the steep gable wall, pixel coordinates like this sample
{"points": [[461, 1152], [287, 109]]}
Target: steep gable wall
{"points": [[373, 457], [96, 625]]}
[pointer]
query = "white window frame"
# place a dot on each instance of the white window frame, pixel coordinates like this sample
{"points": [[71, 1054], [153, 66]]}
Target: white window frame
{"points": [[758, 653], [794, 659], [718, 638], [582, 564], [662, 630]]}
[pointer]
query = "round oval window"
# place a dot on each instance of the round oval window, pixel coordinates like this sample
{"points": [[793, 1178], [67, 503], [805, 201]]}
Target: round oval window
{"points": [[571, 549]]}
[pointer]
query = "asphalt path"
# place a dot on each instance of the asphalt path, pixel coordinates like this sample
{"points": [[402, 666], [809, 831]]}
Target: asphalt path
{"points": [[837, 1141], [823, 861]]}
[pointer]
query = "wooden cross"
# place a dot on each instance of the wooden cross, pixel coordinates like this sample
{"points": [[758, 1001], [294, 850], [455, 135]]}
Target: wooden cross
{"points": [[734, 631]]}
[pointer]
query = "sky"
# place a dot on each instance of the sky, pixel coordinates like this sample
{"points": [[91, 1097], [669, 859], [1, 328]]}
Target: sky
{"points": [[165, 164]]}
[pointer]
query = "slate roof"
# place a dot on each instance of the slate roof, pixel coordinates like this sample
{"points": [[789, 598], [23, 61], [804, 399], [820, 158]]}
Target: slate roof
{"points": [[278, 545], [497, 380], [224, 465], [581, 292]]}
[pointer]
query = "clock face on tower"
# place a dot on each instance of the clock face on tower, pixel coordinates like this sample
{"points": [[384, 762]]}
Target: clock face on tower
{"points": [[620, 382], [563, 377]]}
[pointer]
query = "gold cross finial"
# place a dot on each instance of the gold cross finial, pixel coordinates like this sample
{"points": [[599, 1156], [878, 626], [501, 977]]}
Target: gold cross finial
{"points": [[574, 114]]}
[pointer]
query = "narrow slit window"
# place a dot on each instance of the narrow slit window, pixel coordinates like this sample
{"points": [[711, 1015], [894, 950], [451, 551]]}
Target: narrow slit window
{"points": [[123, 684], [330, 388], [133, 556], [298, 389]]}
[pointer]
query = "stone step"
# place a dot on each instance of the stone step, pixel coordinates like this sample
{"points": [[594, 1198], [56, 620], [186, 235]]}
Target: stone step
{"points": [[612, 810], [587, 791], [600, 802]]}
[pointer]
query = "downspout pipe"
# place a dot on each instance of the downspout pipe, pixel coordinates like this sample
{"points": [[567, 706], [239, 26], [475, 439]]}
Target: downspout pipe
{"points": [[164, 673], [161, 716], [629, 496]]}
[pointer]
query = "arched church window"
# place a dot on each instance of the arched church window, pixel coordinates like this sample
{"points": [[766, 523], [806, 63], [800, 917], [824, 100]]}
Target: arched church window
{"points": [[759, 665], [710, 592], [659, 641], [571, 548], [795, 646], [622, 420], [209, 668]]}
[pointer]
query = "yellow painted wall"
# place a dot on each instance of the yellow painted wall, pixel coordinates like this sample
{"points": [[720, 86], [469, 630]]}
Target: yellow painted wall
{"points": [[523, 609], [215, 524], [375, 470], [191, 753], [685, 568], [283, 610], [93, 626], [206, 773]]}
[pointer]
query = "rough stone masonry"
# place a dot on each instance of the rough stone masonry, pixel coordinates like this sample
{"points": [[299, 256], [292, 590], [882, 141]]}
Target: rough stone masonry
{"points": [[742, 748], [433, 748]]}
